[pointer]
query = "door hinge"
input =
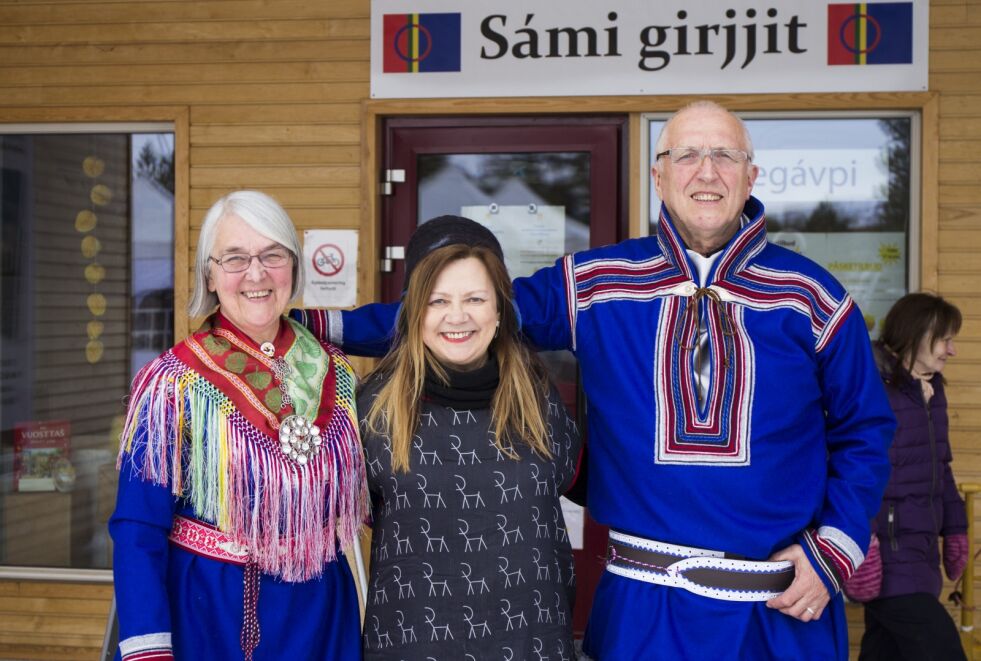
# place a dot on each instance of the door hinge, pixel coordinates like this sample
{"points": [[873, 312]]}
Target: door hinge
{"points": [[390, 177], [391, 253]]}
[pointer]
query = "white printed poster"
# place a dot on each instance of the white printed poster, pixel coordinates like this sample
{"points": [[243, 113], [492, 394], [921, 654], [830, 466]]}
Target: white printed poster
{"points": [[331, 265], [870, 265], [531, 235], [575, 522]]}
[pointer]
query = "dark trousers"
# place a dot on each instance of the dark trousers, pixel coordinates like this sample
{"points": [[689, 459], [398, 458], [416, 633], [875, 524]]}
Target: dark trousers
{"points": [[913, 626]]}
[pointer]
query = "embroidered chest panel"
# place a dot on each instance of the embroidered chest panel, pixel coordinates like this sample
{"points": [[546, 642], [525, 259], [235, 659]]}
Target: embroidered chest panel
{"points": [[690, 428]]}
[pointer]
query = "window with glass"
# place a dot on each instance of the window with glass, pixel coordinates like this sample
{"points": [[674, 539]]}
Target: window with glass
{"points": [[838, 189], [87, 277]]}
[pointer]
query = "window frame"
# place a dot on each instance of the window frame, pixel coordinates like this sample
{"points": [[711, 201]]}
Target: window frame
{"points": [[163, 119], [914, 234]]}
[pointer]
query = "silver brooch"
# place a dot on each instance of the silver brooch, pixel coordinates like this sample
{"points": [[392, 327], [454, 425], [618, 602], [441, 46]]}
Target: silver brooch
{"points": [[299, 439]]}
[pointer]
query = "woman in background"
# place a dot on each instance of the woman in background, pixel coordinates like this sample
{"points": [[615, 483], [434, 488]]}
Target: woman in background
{"points": [[921, 503]]}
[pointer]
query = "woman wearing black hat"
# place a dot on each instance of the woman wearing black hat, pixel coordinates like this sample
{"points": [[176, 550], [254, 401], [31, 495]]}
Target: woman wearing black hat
{"points": [[468, 449]]}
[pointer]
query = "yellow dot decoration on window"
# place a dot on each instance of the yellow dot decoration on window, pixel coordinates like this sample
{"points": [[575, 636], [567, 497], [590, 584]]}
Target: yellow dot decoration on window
{"points": [[97, 304], [90, 247], [95, 273], [95, 329], [93, 166], [100, 195], [93, 351], [86, 221]]}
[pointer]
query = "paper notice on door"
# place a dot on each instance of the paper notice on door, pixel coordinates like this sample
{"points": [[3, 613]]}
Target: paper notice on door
{"points": [[575, 521], [531, 235]]}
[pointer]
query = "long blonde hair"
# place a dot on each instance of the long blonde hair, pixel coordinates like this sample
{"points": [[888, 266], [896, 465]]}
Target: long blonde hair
{"points": [[518, 406]]}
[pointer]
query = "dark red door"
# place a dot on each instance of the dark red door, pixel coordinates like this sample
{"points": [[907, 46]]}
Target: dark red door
{"points": [[546, 186]]}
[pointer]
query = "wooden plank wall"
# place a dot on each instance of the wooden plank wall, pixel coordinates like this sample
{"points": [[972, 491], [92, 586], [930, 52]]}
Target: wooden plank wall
{"points": [[52, 620], [955, 73], [275, 92]]}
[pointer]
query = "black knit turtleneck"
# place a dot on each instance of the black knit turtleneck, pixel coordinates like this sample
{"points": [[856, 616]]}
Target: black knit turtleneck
{"points": [[472, 389]]}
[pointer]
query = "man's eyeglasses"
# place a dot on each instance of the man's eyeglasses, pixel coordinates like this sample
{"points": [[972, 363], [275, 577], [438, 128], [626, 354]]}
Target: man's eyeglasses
{"points": [[721, 158], [238, 262]]}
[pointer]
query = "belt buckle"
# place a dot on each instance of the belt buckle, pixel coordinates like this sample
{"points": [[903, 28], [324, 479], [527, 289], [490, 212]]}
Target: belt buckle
{"points": [[232, 548]]}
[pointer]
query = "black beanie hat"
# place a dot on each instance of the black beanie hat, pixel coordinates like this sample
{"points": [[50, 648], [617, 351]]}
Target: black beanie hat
{"points": [[447, 231]]}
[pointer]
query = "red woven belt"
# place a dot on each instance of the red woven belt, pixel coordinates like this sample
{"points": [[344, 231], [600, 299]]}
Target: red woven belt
{"points": [[206, 540]]}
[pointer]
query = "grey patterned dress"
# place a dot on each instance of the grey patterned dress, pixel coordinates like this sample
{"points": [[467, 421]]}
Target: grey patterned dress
{"points": [[470, 558]]}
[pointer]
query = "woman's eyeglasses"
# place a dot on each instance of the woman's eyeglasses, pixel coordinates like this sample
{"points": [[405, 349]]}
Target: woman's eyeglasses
{"points": [[238, 262]]}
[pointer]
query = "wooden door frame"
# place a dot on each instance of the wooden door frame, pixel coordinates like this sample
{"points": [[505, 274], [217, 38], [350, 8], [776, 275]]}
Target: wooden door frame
{"points": [[374, 112], [602, 137]]}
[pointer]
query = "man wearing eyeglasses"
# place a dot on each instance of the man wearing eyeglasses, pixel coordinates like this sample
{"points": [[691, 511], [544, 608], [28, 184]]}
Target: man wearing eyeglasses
{"points": [[738, 430]]}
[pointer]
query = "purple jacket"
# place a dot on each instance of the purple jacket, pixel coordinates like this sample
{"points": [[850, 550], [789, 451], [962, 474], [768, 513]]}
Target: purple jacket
{"points": [[921, 500]]}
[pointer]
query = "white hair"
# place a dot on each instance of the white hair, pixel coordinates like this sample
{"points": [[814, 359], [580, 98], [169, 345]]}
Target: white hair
{"points": [[260, 212], [703, 104]]}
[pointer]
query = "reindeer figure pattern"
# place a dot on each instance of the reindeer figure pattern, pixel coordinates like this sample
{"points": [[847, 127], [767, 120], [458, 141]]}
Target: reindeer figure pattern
{"points": [[469, 557]]}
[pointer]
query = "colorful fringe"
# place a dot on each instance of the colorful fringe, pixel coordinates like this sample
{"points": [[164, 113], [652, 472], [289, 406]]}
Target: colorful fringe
{"points": [[182, 431]]}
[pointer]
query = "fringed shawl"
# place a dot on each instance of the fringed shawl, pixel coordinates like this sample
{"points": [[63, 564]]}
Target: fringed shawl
{"points": [[200, 420]]}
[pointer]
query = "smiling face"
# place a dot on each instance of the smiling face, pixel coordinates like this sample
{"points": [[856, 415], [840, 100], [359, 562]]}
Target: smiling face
{"points": [[704, 201], [932, 358], [255, 298], [461, 315]]}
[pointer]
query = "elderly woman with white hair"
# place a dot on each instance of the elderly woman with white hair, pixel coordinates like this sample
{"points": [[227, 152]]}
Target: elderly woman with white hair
{"points": [[241, 472]]}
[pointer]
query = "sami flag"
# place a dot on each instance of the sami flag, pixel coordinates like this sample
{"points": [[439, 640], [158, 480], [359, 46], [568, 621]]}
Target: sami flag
{"points": [[870, 33], [418, 43]]}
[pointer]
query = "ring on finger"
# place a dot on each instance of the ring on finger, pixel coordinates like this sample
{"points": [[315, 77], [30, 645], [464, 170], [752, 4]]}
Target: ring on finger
{"points": [[810, 610]]}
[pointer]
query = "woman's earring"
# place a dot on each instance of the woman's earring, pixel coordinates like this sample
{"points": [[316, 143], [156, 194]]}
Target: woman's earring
{"points": [[497, 329]]}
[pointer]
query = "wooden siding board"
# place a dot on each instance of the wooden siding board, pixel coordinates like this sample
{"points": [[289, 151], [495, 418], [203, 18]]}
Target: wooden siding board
{"points": [[957, 82], [197, 52], [290, 197], [959, 38], [245, 134], [959, 262], [960, 195], [961, 151], [948, 16], [275, 113], [963, 172], [955, 217], [128, 74], [301, 154], [67, 13], [114, 95], [174, 31], [282, 175], [303, 218], [952, 61]]}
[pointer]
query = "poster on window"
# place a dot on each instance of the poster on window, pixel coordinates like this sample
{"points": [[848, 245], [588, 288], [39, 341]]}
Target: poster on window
{"points": [[531, 235], [41, 449], [870, 265], [331, 265]]}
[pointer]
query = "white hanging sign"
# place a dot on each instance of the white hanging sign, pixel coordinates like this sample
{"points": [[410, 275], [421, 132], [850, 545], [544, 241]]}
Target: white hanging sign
{"points": [[331, 265], [514, 48]]}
